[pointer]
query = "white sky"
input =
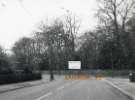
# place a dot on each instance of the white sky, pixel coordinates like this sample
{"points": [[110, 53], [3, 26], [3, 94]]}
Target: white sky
{"points": [[19, 18]]}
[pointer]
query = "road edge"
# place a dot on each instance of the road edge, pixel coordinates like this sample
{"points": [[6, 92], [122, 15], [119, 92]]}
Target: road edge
{"points": [[120, 89], [20, 87]]}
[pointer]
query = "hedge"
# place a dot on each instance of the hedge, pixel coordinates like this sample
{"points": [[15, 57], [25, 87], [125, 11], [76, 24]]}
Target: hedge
{"points": [[13, 78]]}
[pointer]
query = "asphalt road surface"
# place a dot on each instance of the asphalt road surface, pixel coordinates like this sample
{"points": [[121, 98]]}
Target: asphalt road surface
{"points": [[67, 90]]}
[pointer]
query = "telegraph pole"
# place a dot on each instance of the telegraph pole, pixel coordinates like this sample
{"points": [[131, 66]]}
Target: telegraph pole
{"points": [[50, 60]]}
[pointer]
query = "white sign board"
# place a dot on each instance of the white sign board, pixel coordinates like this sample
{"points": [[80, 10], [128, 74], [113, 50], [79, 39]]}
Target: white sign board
{"points": [[74, 64]]}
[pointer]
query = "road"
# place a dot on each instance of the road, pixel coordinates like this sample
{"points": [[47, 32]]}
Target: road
{"points": [[67, 90]]}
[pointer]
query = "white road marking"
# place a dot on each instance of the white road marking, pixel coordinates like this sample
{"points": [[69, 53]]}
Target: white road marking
{"points": [[46, 95], [58, 89], [65, 85], [62, 87], [88, 93]]}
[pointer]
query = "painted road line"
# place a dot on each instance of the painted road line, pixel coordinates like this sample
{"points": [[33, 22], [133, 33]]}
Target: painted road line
{"points": [[60, 88], [65, 85], [50, 93], [46, 95], [120, 89]]}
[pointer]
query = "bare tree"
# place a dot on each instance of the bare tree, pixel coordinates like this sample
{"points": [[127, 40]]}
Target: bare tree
{"points": [[71, 27], [115, 13], [4, 61], [52, 37], [25, 53]]}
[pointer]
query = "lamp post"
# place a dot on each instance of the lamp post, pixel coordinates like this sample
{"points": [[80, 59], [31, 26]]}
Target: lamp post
{"points": [[50, 59]]}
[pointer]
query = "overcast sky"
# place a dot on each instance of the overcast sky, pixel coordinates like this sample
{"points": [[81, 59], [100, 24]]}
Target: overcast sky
{"points": [[19, 18]]}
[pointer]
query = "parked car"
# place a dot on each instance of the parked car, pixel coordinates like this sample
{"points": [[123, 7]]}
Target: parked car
{"points": [[132, 76]]}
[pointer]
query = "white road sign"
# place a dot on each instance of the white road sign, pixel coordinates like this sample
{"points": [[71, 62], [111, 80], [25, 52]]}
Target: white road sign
{"points": [[74, 64]]}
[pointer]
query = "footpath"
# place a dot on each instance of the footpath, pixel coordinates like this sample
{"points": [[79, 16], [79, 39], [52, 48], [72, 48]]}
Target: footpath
{"points": [[123, 85], [15, 86]]}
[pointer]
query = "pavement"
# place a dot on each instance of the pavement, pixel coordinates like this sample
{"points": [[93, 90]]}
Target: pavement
{"points": [[15, 86], [123, 85], [60, 89]]}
